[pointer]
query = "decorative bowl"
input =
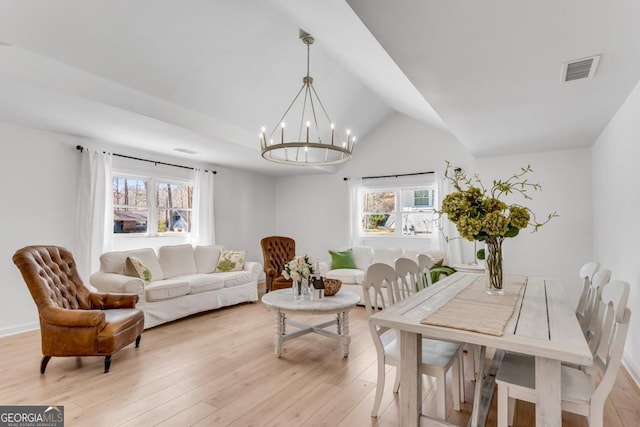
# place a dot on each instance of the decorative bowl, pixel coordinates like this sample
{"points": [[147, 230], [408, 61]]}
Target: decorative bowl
{"points": [[331, 287]]}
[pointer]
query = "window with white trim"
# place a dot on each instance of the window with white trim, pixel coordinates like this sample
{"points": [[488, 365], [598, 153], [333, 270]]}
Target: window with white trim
{"points": [[151, 206], [398, 211]]}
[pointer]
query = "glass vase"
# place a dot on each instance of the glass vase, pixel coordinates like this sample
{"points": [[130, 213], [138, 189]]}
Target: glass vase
{"points": [[300, 288], [297, 289], [493, 266]]}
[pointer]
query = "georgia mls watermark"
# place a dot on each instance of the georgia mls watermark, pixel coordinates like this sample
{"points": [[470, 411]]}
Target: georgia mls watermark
{"points": [[31, 416]]}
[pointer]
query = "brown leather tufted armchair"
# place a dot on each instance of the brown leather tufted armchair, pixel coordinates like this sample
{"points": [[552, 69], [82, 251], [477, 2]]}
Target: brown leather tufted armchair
{"points": [[277, 251], [73, 320]]}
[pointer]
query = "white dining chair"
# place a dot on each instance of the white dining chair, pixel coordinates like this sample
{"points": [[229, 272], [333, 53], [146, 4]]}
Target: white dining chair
{"points": [[425, 262], [586, 273], [592, 315], [581, 392], [438, 357], [408, 273]]}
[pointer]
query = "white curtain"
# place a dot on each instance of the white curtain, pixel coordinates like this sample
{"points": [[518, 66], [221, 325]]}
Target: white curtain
{"points": [[202, 224], [94, 211], [355, 214], [452, 247]]}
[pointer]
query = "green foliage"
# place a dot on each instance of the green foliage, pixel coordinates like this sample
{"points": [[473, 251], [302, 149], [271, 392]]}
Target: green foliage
{"points": [[479, 214]]}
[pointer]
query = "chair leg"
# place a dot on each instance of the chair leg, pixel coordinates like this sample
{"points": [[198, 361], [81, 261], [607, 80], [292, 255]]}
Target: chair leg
{"points": [[461, 376], [441, 395], [455, 384], [107, 363], [379, 389], [43, 363], [396, 382], [138, 340], [503, 405]]}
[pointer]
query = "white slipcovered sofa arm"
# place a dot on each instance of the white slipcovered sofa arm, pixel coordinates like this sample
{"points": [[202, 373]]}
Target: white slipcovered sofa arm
{"points": [[254, 267], [117, 283]]}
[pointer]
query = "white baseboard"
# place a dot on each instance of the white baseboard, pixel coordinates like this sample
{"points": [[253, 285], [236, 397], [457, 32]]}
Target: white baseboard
{"points": [[633, 370], [13, 330]]}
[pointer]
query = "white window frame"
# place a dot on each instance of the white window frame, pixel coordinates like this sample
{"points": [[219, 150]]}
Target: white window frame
{"points": [[397, 188], [152, 182]]}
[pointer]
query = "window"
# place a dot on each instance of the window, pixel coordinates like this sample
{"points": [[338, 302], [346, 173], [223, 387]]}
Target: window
{"points": [[400, 211], [149, 206]]}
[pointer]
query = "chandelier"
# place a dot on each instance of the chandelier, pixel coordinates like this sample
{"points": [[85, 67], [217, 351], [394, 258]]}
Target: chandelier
{"points": [[316, 143]]}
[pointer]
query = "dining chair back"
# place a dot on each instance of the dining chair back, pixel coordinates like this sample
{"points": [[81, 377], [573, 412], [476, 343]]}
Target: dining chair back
{"points": [[380, 290], [592, 315], [581, 392], [425, 262], [409, 277], [586, 273]]}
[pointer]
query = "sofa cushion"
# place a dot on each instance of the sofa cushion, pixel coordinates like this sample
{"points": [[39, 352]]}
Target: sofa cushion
{"points": [[387, 255], [135, 268], [166, 289], [114, 262], [231, 261], [203, 282], [207, 258], [363, 256], [347, 275], [342, 259], [235, 278], [177, 260]]}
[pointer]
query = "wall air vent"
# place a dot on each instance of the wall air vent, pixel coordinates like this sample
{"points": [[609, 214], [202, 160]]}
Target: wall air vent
{"points": [[584, 68]]}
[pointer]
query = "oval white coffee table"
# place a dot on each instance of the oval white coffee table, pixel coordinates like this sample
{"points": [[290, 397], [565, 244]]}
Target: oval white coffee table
{"points": [[284, 305]]}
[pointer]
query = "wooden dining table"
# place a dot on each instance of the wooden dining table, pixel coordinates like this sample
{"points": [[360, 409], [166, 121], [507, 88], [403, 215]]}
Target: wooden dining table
{"points": [[543, 325]]}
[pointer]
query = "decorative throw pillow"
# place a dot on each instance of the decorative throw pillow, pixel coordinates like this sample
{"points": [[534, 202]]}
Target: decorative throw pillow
{"points": [[231, 261], [342, 259], [135, 268]]}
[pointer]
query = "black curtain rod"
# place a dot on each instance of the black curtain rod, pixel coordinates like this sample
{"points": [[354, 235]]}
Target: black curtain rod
{"points": [[81, 149], [394, 176]]}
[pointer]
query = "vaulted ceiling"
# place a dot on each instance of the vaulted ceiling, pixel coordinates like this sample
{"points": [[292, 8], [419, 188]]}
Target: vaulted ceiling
{"points": [[204, 76]]}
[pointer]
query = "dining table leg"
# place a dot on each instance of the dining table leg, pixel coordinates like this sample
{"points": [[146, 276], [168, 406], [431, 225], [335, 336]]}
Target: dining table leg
{"points": [[548, 390], [410, 379]]}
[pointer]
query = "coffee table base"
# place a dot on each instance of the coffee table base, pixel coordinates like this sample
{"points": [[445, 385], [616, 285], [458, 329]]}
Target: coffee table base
{"points": [[342, 330]]}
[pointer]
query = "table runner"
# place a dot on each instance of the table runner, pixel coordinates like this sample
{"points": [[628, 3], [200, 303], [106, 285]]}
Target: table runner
{"points": [[472, 309]]}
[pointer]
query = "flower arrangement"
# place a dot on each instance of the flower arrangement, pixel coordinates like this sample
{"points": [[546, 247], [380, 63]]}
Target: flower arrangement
{"points": [[479, 214], [299, 268]]}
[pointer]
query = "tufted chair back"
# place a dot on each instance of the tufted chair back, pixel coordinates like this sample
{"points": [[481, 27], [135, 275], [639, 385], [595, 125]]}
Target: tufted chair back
{"points": [[277, 251], [51, 276], [73, 320]]}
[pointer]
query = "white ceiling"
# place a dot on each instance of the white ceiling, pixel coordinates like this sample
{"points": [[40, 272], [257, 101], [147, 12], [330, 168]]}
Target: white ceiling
{"points": [[207, 75]]}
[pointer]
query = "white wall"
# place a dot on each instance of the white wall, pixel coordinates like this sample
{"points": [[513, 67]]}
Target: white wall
{"points": [[616, 204], [39, 171], [313, 209]]}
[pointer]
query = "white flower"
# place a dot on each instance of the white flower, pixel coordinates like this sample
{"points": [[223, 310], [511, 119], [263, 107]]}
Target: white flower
{"points": [[298, 268], [296, 276]]}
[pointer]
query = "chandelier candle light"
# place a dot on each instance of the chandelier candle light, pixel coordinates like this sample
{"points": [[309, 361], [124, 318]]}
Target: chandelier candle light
{"points": [[309, 150]]}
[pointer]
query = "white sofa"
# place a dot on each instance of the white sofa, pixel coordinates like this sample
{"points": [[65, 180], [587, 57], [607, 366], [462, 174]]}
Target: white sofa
{"points": [[183, 281], [364, 256]]}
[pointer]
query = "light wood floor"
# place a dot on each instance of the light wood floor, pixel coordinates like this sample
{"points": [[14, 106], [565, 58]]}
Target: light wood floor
{"points": [[218, 369]]}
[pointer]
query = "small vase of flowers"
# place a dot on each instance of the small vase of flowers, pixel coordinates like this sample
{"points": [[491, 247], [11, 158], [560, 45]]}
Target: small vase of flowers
{"points": [[480, 214], [299, 270]]}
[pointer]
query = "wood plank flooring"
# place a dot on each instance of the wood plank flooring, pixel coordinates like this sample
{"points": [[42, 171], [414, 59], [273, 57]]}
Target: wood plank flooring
{"points": [[219, 369]]}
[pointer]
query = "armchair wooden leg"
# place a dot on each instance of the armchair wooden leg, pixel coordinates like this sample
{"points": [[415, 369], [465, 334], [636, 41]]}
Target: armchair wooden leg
{"points": [[138, 341], [43, 363], [107, 364]]}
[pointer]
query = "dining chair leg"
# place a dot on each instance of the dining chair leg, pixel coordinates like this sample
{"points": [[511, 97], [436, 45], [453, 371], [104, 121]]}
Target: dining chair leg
{"points": [[455, 384], [396, 382], [503, 405], [441, 395], [596, 414], [511, 410], [461, 377], [379, 388]]}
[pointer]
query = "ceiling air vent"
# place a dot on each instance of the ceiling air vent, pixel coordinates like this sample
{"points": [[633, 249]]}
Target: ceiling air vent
{"points": [[584, 68]]}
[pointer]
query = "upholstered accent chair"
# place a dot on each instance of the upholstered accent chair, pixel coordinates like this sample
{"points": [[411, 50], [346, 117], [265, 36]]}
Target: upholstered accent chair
{"points": [[73, 320], [277, 251]]}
